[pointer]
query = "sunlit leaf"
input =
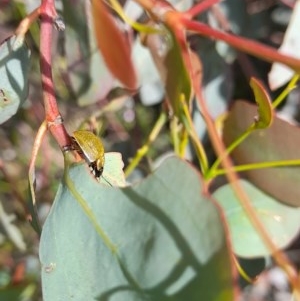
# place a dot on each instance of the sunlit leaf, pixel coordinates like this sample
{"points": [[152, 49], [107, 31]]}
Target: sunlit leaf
{"points": [[282, 222], [158, 240], [262, 98], [113, 170], [113, 46], [14, 67]]}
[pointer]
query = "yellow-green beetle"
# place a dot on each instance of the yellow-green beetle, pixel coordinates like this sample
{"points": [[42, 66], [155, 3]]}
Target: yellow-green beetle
{"points": [[91, 149]]}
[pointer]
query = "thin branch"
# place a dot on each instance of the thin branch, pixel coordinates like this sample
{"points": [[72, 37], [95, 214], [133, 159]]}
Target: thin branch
{"points": [[200, 8], [256, 49]]}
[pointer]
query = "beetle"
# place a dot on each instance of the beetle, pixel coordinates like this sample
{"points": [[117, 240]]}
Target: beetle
{"points": [[90, 148]]}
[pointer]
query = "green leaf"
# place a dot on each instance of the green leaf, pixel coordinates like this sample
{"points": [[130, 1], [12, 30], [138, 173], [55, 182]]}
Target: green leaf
{"points": [[263, 100], [14, 67], [276, 143], [177, 78], [113, 170], [282, 222], [17, 292], [158, 240]]}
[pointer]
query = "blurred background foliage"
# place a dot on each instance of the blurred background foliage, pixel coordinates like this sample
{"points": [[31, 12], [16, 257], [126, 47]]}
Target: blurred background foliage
{"points": [[89, 97]]}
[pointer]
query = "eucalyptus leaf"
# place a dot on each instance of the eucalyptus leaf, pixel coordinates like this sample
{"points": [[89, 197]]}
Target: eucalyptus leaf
{"points": [[282, 222], [158, 240], [113, 174], [14, 67], [263, 100], [178, 82], [276, 143]]}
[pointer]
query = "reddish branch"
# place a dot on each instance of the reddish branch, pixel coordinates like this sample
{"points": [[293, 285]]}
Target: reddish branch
{"points": [[200, 8], [53, 117], [251, 47]]}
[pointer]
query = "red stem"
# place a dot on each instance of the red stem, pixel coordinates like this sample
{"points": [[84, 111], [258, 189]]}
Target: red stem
{"points": [[53, 117], [200, 8], [256, 49]]}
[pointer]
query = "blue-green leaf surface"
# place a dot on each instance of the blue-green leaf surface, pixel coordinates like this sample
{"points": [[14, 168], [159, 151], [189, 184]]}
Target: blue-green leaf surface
{"points": [[113, 174], [282, 222], [14, 67], [158, 240]]}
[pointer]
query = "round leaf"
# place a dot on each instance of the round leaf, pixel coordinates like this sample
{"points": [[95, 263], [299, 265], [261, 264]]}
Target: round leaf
{"points": [[276, 143], [281, 221], [14, 67], [158, 240]]}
